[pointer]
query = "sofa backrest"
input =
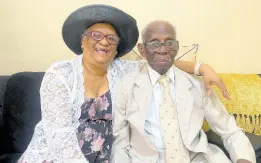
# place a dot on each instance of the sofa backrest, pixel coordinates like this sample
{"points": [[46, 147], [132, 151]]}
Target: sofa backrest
{"points": [[3, 81], [22, 110]]}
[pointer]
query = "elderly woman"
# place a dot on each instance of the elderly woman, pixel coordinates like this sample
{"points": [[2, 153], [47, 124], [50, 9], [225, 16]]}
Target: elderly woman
{"points": [[77, 95]]}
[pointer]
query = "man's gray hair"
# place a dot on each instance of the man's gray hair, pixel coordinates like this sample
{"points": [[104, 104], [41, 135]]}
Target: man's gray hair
{"points": [[145, 29]]}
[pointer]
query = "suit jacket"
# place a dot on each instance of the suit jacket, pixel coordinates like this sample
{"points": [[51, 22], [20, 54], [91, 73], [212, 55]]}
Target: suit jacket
{"points": [[193, 106]]}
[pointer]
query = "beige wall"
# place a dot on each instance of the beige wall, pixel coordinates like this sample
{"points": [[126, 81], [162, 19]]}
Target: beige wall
{"points": [[228, 32]]}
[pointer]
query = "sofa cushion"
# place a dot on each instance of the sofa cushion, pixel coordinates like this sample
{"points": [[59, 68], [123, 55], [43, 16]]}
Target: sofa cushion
{"points": [[21, 111]]}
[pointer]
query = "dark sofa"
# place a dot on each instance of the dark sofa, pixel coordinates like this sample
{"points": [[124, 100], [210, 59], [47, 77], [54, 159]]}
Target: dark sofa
{"points": [[20, 112]]}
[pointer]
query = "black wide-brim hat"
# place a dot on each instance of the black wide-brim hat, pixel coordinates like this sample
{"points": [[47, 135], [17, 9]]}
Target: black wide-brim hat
{"points": [[84, 17]]}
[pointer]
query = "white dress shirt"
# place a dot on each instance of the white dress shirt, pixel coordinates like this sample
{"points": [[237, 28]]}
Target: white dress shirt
{"points": [[152, 122]]}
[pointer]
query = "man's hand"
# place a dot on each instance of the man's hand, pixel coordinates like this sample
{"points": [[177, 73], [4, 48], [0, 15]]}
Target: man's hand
{"points": [[211, 77], [243, 161]]}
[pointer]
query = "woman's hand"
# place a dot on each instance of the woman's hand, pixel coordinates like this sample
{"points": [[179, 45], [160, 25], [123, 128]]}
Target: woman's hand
{"points": [[211, 77]]}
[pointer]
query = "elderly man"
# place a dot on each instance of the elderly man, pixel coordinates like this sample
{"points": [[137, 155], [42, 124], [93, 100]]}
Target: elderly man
{"points": [[159, 111]]}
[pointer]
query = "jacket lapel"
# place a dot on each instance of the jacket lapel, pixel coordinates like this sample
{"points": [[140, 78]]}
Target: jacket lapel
{"points": [[184, 103], [142, 92]]}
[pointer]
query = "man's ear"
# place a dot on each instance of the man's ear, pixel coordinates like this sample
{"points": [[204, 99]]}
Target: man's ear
{"points": [[141, 49]]}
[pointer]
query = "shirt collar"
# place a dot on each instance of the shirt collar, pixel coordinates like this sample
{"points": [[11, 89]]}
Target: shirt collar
{"points": [[154, 75]]}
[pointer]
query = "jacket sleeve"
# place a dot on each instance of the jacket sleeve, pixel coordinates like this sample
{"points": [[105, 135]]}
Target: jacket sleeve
{"points": [[235, 141], [55, 136]]}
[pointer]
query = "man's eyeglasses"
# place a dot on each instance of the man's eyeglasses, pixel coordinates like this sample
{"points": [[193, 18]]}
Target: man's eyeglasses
{"points": [[156, 45], [98, 36]]}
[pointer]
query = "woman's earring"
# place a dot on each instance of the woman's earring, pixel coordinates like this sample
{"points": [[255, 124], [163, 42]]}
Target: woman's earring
{"points": [[82, 46]]}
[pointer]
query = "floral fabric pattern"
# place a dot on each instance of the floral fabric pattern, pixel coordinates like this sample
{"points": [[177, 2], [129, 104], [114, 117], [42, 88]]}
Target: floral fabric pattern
{"points": [[95, 130]]}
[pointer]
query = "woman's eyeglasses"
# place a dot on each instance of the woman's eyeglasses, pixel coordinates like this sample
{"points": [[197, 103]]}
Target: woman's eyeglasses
{"points": [[98, 36]]}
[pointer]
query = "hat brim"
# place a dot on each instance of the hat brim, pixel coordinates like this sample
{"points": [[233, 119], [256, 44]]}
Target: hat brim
{"points": [[81, 19]]}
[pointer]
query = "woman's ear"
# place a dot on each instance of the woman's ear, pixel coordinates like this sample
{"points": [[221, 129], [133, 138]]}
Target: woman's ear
{"points": [[82, 43], [141, 49]]}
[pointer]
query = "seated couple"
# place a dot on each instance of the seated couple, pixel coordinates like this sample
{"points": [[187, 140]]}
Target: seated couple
{"points": [[99, 109]]}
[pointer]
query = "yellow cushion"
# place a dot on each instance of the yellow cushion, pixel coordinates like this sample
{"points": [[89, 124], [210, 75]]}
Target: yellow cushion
{"points": [[245, 90]]}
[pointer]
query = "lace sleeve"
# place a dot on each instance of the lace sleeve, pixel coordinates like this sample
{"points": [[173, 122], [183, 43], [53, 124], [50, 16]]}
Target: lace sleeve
{"points": [[55, 137]]}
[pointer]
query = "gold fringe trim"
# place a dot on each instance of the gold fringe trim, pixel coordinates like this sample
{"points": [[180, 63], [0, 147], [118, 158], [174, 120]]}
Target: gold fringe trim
{"points": [[249, 123]]}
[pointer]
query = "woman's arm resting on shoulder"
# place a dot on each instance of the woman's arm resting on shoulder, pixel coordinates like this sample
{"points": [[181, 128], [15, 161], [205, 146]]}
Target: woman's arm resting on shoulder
{"points": [[208, 73]]}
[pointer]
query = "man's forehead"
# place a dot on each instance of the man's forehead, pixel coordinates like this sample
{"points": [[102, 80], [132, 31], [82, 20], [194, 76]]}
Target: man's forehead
{"points": [[160, 33], [161, 29]]}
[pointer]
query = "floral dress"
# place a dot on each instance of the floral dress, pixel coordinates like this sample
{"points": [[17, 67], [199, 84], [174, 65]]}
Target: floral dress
{"points": [[95, 130]]}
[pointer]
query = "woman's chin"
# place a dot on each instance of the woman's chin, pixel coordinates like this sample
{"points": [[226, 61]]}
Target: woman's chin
{"points": [[102, 60]]}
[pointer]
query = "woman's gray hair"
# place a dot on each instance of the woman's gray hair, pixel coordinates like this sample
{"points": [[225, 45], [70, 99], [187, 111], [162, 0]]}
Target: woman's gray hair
{"points": [[84, 34]]}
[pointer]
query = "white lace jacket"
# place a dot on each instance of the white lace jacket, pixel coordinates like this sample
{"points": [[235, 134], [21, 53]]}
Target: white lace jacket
{"points": [[62, 94]]}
